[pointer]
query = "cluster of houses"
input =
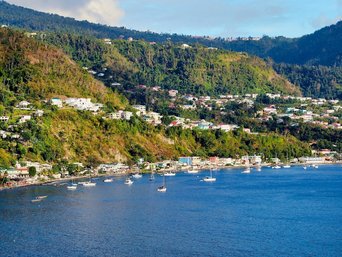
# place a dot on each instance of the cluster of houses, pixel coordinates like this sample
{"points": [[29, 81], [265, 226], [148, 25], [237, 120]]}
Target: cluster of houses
{"points": [[310, 110]]}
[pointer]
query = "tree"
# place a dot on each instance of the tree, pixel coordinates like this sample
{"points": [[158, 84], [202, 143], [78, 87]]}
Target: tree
{"points": [[32, 171]]}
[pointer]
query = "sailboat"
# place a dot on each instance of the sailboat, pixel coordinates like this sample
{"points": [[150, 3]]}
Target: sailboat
{"points": [[287, 165], [276, 166], [128, 181], [89, 184], [152, 176], [247, 169], [163, 187], [210, 178]]}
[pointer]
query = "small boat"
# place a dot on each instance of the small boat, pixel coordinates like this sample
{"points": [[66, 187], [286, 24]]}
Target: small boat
{"points": [[276, 167], [163, 187], [258, 168], [128, 181], [41, 197], [136, 176], [315, 166], [169, 174], [81, 182], [151, 177], [305, 167], [108, 180], [209, 178], [89, 184], [72, 187], [287, 166], [36, 200], [247, 169]]}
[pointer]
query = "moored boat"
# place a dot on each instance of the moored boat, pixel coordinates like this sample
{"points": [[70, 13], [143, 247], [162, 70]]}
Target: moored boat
{"points": [[72, 187], [128, 181], [169, 174], [89, 184]]}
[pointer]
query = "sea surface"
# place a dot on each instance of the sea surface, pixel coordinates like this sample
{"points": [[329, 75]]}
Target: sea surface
{"points": [[285, 212]]}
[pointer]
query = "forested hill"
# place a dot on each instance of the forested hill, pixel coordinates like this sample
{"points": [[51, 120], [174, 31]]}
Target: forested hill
{"points": [[319, 48], [33, 71], [194, 69], [323, 47]]}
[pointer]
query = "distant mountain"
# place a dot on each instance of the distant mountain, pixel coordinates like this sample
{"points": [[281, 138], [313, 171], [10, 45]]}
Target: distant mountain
{"points": [[319, 48]]}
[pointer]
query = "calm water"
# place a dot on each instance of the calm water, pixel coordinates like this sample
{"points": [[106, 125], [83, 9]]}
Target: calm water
{"points": [[271, 213]]}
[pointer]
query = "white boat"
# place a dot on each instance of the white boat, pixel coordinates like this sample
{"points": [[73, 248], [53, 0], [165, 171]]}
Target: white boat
{"points": [[247, 169], [136, 176], [89, 184], [72, 187], [152, 177], [209, 178], [82, 182], [305, 167], [36, 200], [163, 187], [169, 174], [108, 180], [287, 166], [276, 167], [41, 197], [315, 166], [193, 171], [128, 181], [258, 168]]}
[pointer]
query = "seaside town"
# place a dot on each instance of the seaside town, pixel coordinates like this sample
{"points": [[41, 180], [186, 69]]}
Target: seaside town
{"points": [[321, 112]]}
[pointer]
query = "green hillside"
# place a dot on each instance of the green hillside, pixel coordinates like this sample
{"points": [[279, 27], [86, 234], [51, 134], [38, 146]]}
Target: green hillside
{"points": [[196, 70], [35, 72]]}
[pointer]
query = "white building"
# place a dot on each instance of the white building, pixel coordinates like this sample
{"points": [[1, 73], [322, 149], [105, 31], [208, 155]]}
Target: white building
{"points": [[173, 93], [24, 118], [23, 105], [83, 104], [141, 109], [4, 118], [56, 102], [39, 113]]}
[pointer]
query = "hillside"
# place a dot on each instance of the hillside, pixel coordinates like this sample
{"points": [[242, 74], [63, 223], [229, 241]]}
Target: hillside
{"points": [[319, 48], [33, 71], [190, 70]]}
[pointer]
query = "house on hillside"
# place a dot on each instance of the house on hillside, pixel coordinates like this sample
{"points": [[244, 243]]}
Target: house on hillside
{"points": [[24, 105], [4, 118], [56, 102], [24, 119]]}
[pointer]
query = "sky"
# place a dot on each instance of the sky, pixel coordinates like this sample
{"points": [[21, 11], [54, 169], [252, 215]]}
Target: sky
{"points": [[224, 18]]}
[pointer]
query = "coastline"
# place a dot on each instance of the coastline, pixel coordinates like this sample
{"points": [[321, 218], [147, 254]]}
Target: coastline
{"points": [[219, 168]]}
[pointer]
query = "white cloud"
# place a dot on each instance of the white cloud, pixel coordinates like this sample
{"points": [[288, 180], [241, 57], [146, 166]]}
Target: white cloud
{"points": [[98, 11]]}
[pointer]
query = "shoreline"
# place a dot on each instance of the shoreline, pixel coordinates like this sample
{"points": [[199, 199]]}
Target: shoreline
{"points": [[219, 168]]}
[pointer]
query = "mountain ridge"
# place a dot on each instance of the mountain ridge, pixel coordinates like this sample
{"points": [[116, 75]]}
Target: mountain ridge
{"points": [[309, 49]]}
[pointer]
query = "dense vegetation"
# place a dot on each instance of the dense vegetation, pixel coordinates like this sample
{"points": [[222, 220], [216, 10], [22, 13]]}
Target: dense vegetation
{"points": [[319, 48], [197, 70], [33, 71], [314, 81]]}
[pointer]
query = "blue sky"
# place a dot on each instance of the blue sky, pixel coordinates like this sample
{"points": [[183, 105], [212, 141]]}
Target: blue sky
{"points": [[225, 18]]}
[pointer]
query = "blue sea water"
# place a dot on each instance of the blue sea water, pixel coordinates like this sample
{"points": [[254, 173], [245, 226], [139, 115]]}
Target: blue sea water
{"points": [[286, 212]]}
